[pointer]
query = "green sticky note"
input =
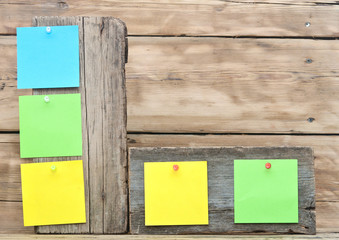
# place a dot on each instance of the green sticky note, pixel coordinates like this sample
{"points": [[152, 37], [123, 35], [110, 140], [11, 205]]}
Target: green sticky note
{"points": [[50, 125], [264, 195]]}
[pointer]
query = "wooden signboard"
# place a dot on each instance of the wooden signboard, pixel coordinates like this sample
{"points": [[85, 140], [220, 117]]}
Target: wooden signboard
{"points": [[222, 173], [103, 48]]}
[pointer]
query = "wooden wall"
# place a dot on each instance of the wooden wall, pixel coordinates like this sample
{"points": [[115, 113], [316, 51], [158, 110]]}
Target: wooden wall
{"points": [[204, 73]]}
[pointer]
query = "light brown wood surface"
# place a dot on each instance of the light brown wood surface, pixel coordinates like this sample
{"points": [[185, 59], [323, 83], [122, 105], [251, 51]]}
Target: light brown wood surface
{"points": [[178, 84], [221, 85], [103, 97], [190, 17], [232, 85], [9, 94]]}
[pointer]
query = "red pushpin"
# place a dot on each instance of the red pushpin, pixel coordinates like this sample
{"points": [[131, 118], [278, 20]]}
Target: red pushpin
{"points": [[175, 167], [268, 165]]}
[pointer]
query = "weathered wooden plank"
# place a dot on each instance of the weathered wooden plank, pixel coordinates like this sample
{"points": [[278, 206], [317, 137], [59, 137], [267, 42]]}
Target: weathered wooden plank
{"points": [[326, 152], [220, 188], [102, 88], [221, 85], [190, 17], [174, 237], [232, 85], [106, 118], [11, 220]]}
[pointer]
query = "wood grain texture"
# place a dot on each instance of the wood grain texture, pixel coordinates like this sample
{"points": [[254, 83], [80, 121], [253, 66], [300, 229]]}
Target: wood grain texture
{"points": [[190, 17], [220, 188], [9, 94], [106, 119], [9, 138], [10, 180], [216, 85], [11, 220], [221, 85], [102, 87]]}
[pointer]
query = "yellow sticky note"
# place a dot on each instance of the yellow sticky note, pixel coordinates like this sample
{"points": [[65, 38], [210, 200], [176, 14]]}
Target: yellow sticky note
{"points": [[176, 197], [53, 193]]}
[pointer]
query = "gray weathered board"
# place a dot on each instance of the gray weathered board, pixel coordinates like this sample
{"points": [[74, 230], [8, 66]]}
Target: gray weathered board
{"points": [[220, 188], [103, 48]]}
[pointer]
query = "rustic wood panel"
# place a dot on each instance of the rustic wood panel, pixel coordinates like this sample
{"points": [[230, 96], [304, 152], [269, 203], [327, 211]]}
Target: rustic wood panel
{"points": [[102, 88], [220, 188], [232, 85], [106, 120], [221, 85], [190, 17]]}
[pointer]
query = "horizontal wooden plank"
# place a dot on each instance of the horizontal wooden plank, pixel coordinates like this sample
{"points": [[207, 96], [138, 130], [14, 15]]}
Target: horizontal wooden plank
{"points": [[11, 220], [173, 237], [232, 85], [326, 152], [9, 138], [190, 17], [220, 188], [220, 85]]}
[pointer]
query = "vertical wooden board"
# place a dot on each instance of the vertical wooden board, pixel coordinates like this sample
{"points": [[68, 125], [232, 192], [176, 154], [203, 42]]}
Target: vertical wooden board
{"points": [[59, 21], [106, 115], [189, 17], [220, 188], [103, 97]]}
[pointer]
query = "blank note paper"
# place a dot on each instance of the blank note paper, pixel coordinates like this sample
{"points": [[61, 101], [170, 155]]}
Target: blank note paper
{"points": [[176, 193], [50, 125], [48, 57], [266, 191], [53, 193]]}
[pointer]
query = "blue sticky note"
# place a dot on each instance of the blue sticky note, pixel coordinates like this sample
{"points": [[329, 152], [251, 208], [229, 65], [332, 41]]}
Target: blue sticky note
{"points": [[48, 57]]}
